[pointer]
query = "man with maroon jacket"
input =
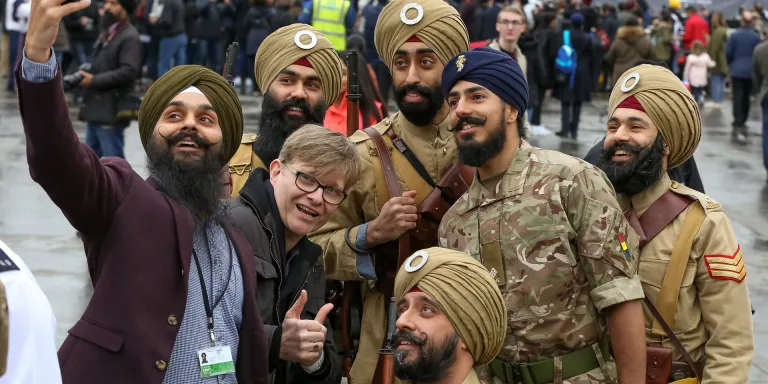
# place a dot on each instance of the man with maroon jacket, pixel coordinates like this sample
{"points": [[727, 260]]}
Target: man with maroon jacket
{"points": [[172, 278], [696, 28]]}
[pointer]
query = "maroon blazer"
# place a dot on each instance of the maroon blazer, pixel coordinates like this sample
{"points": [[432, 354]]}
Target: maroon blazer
{"points": [[138, 244]]}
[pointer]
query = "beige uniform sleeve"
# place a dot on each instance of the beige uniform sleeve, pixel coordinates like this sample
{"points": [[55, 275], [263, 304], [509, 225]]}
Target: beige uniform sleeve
{"points": [[341, 261], [724, 300], [607, 245]]}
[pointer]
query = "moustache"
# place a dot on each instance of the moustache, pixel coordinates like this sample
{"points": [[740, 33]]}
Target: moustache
{"points": [[422, 90], [296, 103], [468, 120], [401, 336], [626, 147], [197, 139]]}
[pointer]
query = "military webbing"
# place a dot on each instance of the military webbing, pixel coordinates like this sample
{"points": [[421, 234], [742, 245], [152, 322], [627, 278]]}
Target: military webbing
{"points": [[541, 372], [401, 146], [666, 301]]}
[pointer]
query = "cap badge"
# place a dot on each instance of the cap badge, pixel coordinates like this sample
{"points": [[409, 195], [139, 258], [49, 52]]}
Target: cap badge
{"points": [[409, 267], [627, 88], [312, 41], [460, 62], [408, 7]]}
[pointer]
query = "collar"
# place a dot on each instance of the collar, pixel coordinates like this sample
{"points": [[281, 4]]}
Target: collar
{"points": [[471, 378], [429, 132], [643, 200], [510, 185]]}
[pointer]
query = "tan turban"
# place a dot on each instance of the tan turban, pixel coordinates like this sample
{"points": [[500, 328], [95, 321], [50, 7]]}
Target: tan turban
{"points": [[667, 102], [280, 50], [435, 22], [467, 294], [218, 91]]}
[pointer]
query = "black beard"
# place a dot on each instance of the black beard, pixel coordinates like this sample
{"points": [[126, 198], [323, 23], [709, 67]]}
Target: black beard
{"points": [[195, 185], [643, 171], [474, 153], [422, 113], [275, 127], [433, 363]]}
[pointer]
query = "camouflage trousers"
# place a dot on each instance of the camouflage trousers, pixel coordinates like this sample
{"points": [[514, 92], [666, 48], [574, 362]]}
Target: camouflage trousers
{"points": [[607, 374]]}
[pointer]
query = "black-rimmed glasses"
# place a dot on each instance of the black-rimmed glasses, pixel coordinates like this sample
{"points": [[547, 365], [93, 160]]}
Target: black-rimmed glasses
{"points": [[309, 184]]}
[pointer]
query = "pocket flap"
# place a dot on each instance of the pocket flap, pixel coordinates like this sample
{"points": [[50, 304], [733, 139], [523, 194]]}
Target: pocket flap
{"points": [[98, 334], [265, 268]]}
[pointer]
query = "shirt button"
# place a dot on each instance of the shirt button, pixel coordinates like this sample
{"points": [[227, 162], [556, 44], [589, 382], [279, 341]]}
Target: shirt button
{"points": [[445, 150], [160, 364], [172, 320]]}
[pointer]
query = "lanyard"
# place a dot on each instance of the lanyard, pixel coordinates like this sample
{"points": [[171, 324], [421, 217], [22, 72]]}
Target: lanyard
{"points": [[206, 303]]}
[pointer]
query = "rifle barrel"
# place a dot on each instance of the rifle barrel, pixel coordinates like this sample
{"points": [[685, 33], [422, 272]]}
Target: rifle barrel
{"points": [[353, 93], [229, 63]]}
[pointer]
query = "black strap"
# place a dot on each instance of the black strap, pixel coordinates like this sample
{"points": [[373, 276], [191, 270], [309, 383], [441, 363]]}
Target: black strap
{"points": [[206, 303], [403, 148]]}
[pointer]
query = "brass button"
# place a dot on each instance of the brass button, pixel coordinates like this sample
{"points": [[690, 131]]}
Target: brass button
{"points": [[160, 364], [173, 320], [445, 150], [674, 185], [386, 122], [253, 137]]}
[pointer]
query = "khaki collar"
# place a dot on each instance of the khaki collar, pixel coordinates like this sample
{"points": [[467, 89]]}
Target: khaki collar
{"points": [[510, 185], [429, 132], [471, 378], [643, 200]]}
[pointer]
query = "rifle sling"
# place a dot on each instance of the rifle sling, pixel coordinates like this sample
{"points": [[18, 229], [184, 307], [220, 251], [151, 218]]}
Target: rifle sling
{"points": [[665, 209], [417, 165], [392, 185]]}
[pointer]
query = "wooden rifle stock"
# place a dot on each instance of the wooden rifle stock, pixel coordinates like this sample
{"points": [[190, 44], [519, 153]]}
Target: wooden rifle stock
{"points": [[385, 367], [353, 93]]}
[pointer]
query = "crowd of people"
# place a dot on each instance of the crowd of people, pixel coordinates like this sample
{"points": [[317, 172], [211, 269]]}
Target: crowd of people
{"points": [[434, 244]]}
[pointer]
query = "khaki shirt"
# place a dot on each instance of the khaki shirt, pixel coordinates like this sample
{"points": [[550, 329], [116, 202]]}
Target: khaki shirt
{"points": [[243, 162], [550, 234], [435, 147], [713, 317]]}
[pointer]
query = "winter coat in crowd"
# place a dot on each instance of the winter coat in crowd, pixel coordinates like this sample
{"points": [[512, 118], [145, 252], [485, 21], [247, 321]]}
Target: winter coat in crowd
{"points": [[738, 50], [536, 71], [696, 68], [662, 38], [256, 27], [582, 82], [171, 21], [83, 32], [716, 50], [610, 24], [550, 42], [61, 44], [486, 23], [631, 45]]}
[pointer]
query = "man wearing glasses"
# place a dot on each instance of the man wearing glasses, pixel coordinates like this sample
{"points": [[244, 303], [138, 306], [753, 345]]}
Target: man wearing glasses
{"points": [[275, 210], [510, 24]]}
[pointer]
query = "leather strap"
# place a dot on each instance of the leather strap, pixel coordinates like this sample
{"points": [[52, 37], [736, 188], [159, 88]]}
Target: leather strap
{"points": [[392, 185], [675, 340], [673, 277], [658, 215], [417, 165]]}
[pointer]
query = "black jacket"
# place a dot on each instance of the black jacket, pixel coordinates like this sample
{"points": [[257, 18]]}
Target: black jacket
{"points": [[79, 32], [115, 67], [171, 21], [255, 213], [582, 82]]}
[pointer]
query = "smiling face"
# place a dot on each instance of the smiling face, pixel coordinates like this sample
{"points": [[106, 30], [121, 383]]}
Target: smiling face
{"points": [[427, 343], [297, 82], [189, 128], [303, 212], [416, 73], [481, 122]]}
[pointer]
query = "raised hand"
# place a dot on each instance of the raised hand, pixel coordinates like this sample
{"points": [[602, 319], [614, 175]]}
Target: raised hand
{"points": [[303, 340], [44, 19]]}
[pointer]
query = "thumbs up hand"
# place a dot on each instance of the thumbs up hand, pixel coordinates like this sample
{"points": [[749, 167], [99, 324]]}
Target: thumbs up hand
{"points": [[303, 340]]}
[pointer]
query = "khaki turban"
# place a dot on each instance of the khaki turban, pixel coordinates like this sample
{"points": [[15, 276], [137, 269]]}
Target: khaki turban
{"points": [[667, 102], [218, 91], [439, 27], [467, 294], [280, 50]]}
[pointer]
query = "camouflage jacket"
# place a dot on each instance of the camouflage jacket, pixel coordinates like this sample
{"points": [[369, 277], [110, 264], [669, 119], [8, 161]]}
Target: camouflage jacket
{"points": [[551, 233]]}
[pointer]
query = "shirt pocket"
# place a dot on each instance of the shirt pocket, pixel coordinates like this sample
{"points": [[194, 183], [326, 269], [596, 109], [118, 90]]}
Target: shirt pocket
{"points": [[543, 277], [266, 288], [652, 276]]}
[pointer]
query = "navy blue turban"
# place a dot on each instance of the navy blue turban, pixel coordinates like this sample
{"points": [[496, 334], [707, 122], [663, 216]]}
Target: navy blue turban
{"points": [[492, 69]]}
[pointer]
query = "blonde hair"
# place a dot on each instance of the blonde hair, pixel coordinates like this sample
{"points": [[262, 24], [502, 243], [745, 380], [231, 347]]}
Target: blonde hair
{"points": [[697, 47], [323, 150], [516, 10]]}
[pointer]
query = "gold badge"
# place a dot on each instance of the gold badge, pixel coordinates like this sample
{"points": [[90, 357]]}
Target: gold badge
{"points": [[460, 63]]}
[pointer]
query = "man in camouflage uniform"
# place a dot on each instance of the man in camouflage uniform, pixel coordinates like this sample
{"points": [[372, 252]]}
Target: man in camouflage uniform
{"points": [[548, 228], [415, 41], [300, 73], [655, 125]]}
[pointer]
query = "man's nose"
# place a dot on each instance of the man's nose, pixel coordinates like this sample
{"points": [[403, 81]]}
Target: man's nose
{"points": [[405, 321], [316, 197]]}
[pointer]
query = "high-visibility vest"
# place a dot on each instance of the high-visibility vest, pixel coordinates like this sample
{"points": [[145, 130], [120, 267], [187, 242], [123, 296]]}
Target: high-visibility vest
{"points": [[328, 17]]}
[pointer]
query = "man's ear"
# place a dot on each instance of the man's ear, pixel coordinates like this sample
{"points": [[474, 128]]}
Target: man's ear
{"points": [[275, 167], [512, 114]]}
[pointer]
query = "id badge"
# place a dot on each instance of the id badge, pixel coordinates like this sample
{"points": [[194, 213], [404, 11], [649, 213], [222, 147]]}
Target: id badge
{"points": [[215, 361]]}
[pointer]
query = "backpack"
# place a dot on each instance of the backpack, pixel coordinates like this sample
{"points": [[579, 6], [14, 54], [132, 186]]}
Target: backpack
{"points": [[605, 41], [566, 61]]}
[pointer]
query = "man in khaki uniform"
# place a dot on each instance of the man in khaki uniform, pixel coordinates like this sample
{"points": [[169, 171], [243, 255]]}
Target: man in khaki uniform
{"points": [[446, 330], [693, 268], [300, 74], [548, 228], [415, 40]]}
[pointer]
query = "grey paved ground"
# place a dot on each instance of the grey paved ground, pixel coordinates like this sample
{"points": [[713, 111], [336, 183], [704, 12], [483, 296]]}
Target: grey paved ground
{"points": [[35, 228]]}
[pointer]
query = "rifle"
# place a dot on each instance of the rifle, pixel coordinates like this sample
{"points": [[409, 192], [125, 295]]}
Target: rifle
{"points": [[351, 288], [229, 63], [353, 93], [385, 367]]}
